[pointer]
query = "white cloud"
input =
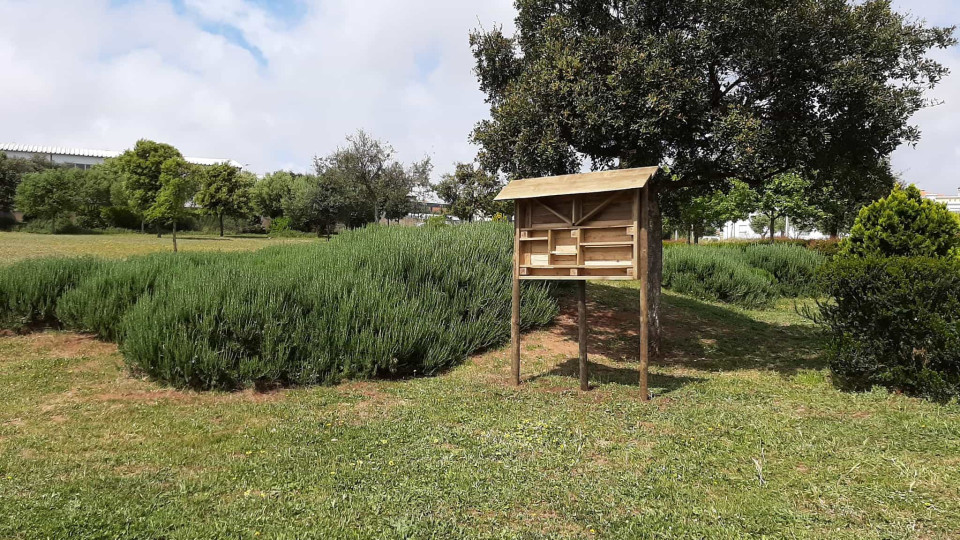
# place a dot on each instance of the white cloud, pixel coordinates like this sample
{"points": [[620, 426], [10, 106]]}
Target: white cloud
{"points": [[102, 73]]}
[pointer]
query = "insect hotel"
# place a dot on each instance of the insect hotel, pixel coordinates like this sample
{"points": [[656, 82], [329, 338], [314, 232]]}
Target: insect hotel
{"points": [[582, 227]]}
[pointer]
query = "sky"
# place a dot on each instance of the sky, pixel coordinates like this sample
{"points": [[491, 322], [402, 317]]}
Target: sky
{"points": [[273, 83]]}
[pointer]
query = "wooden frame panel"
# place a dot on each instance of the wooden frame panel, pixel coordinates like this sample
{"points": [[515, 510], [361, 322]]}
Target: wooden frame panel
{"points": [[589, 236]]}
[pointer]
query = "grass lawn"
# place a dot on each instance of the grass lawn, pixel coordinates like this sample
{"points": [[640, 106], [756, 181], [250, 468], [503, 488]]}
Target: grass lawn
{"points": [[15, 246], [745, 437]]}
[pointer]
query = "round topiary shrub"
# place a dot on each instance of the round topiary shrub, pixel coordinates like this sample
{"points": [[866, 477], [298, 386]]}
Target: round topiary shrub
{"points": [[904, 224]]}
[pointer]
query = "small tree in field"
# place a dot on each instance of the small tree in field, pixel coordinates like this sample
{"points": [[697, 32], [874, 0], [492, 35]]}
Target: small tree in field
{"points": [[369, 165], [224, 191], [50, 195], [141, 168], [785, 196], [470, 192], [904, 224], [177, 185]]}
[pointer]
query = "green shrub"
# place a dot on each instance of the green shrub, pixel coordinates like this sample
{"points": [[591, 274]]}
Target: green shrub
{"points": [[904, 224], [751, 275], [794, 268], [717, 274], [435, 221], [101, 300], [377, 302], [30, 289], [279, 225], [894, 322]]}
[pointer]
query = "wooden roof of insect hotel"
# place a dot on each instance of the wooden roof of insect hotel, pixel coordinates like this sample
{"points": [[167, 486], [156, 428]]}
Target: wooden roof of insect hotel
{"points": [[579, 226], [570, 184]]}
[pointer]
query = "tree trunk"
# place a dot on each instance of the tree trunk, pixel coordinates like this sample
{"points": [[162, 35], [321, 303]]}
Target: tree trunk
{"points": [[221, 224], [143, 226], [655, 270], [773, 228], [174, 236]]}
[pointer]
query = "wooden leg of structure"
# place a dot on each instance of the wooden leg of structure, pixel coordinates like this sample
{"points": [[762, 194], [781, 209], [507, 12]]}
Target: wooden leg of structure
{"points": [[644, 300], [582, 322], [515, 313]]}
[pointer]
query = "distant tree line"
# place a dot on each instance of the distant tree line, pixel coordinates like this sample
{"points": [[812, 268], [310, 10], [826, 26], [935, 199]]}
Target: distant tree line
{"points": [[151, 187]]}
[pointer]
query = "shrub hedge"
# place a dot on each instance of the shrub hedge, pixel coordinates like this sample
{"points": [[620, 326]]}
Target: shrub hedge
{"points": [[377, 302], [894, 322], [751, 275]]}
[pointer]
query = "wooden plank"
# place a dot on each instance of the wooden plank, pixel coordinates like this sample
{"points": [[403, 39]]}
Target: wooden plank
{"points": [[563, 218], [515, 307], [607, 244], [598, 209], [582, 324], [593, 265], [644, 262], [595, 182], [578, 278]]}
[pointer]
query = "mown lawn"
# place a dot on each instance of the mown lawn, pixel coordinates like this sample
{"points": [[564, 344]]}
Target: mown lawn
{"points": [[15, 246], [746, 437]]}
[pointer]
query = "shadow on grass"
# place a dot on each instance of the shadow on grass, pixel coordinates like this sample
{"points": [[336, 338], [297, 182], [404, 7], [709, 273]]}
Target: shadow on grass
{"points": [[696, 335], [603, 374]]}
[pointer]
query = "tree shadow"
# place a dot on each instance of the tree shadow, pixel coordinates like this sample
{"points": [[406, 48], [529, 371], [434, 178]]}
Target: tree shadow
{"points": [[601, 374], [696, 334]]}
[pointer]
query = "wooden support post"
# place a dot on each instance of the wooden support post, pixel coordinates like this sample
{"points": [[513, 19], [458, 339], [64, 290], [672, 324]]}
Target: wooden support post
{"points": [[515, 313], [644, 297], [582, 322]]}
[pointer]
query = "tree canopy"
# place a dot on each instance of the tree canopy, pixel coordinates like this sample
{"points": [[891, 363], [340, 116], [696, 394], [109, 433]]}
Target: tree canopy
{"points": [[716, 89], [369, 164], [142, 167], [470, 192], [224, 191], [178, 183], [50, 194], [12, 171]]}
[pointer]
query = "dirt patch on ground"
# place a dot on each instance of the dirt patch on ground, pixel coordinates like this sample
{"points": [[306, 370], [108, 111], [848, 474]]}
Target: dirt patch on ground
{"points": [[67, 345]]}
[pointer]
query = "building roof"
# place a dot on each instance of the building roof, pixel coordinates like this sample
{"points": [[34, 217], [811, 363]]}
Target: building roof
{"points": [[86, 152], [593, 182]]}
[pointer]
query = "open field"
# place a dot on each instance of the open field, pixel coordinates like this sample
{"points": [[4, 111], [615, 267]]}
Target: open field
{"points": [[745, 437], [15, 246]]}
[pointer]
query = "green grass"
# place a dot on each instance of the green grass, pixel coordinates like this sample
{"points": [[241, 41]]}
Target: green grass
{"points": [[16, 246], [746, 437]]}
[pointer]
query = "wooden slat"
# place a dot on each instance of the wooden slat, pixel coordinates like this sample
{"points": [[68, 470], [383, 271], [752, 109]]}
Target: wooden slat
{"points": [[594, 182], [515, 306], [598, 209], [644, 262], [563, 218]]}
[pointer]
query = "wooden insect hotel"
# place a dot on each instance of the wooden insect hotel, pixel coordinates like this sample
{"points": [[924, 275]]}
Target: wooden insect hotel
{"points": [[582, 227]]}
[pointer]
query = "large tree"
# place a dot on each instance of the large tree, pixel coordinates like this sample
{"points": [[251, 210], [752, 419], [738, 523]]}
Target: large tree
{"points": [[50, 195], [370, 165], [142, 167], [716, 89], [470, 192], [224, 191], [12, 171]]}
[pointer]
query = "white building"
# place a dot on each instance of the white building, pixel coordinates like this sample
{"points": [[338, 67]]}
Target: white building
{"points": [[952, 201], [741, 230], [82, 158]]}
